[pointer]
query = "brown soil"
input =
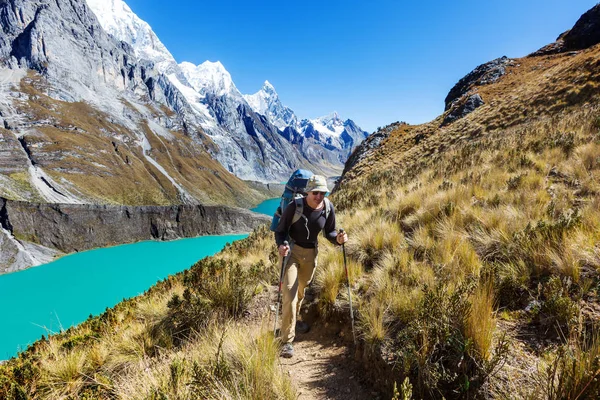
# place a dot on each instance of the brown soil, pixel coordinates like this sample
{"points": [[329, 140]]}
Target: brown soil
{"points": [[323, 367]]}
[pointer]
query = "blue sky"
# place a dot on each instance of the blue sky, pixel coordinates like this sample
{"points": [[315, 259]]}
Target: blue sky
{"points": [[374, 62]]}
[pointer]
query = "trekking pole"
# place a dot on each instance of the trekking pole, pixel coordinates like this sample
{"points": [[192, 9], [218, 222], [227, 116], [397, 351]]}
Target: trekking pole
{"points": [[283, 262], [349, 293]]}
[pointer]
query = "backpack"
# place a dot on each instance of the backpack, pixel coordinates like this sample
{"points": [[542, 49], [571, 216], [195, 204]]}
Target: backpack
{"points": [[295, 191]]}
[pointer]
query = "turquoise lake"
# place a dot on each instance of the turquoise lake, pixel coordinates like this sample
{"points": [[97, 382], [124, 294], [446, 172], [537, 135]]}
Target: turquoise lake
{"points": [[63, 293], [268, 206]]}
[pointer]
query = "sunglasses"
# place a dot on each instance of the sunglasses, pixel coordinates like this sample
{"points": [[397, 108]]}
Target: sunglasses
{"points": [[318, 193]]}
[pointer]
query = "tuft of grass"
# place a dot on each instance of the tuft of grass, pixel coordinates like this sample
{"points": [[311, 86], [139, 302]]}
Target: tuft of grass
{"points": [[65, 373], [260, 376], [454, 253], [368, 242], [328, 280], [371, 323], [481, 323]]}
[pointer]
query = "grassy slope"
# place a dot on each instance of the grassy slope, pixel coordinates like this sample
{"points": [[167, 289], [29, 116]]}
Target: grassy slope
{"points": [[474, 256], [483, 240]]}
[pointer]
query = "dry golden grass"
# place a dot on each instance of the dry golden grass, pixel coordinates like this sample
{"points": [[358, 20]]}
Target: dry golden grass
{"points": [[514, 196], [371, 322], [328, 280], [63, 372], [481, 323], [228, 361]]}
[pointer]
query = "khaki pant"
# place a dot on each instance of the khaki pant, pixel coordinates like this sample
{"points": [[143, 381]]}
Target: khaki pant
{"points": [[298, 275]]}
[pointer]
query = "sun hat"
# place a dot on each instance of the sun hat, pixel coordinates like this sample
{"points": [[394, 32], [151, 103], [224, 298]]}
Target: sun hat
{"points": [[317, 183]]}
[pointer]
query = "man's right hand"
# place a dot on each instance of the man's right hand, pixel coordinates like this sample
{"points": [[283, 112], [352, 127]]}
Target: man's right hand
{"points": [[283, 250]]}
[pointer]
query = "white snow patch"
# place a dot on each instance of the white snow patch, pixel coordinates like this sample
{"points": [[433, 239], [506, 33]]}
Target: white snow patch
{"points": [[329, 125], [11, 76], [210, 77], [207, 120], [160, 130], [146, 147], [51, 191], [335, 131]]}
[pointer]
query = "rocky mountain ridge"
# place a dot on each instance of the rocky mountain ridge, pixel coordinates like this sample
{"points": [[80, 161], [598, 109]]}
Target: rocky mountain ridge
{"points": [[71, 91], [246, 137]]}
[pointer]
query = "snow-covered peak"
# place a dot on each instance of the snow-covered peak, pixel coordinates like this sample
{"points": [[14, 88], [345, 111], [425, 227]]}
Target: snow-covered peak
{"points": [[209, 77], [261, 100], [268, 88], [330, 119], [118, 20], [266, 102], [330, 124]]}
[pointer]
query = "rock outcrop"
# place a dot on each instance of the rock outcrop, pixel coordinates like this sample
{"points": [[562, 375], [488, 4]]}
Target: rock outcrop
{"points": [[484, 74], [463, 99], [585, 33], [370, 144], [464, 106]]}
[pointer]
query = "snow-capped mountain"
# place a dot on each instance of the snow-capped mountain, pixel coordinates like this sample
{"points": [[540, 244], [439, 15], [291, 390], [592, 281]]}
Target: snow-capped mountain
{"points": [[210, 78], [266, 102], [118, 20], [330, 130], [247, 145], [98, 52], [328, 125], [334, 132]]}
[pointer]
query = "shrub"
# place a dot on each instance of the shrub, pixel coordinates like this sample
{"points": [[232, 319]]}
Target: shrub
{"points": [[215, 289], [574, 373], [558, 307]]}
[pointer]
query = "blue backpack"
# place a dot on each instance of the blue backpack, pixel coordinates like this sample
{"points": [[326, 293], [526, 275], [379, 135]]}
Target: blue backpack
{"points": [[295, 190]]}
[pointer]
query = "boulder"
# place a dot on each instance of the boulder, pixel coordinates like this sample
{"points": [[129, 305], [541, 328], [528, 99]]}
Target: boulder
{"points": [[460, 109]]}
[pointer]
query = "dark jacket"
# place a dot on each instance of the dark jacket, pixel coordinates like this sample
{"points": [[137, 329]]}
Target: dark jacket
{"points": [[305, 231]]}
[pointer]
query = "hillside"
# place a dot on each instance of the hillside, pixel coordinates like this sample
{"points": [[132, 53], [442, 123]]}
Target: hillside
{"points": [[474, 259]]}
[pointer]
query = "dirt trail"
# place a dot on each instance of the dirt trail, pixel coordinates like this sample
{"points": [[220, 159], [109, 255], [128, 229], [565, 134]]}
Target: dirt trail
{"points": [[324, 368]]}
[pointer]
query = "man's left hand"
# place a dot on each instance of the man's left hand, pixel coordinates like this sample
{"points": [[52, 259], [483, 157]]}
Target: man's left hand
{"points": [[342, 237]]}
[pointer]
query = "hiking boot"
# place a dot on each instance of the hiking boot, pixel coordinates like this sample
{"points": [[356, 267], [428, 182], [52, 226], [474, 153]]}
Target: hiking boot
{"points": [[287, 351], [302, 327]]}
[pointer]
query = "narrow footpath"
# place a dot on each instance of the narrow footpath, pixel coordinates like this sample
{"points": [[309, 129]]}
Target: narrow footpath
{"points": [[324, 368]]}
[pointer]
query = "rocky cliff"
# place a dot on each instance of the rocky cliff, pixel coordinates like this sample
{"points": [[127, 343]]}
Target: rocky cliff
{"points": [[35, 233]]}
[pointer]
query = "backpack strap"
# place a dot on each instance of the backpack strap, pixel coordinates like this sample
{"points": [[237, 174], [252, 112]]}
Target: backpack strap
{"points": [[299, 201], [327, 208], [327, 212]]}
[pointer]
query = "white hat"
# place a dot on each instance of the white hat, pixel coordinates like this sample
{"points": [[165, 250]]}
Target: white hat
{"points": [[317, 183]]}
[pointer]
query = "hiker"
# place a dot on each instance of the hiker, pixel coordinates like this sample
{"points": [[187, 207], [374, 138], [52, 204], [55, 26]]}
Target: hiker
{"points": [[317, 215]]}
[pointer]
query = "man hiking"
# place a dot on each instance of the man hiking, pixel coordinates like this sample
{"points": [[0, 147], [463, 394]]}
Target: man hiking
{"points": [[302, 231]]}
